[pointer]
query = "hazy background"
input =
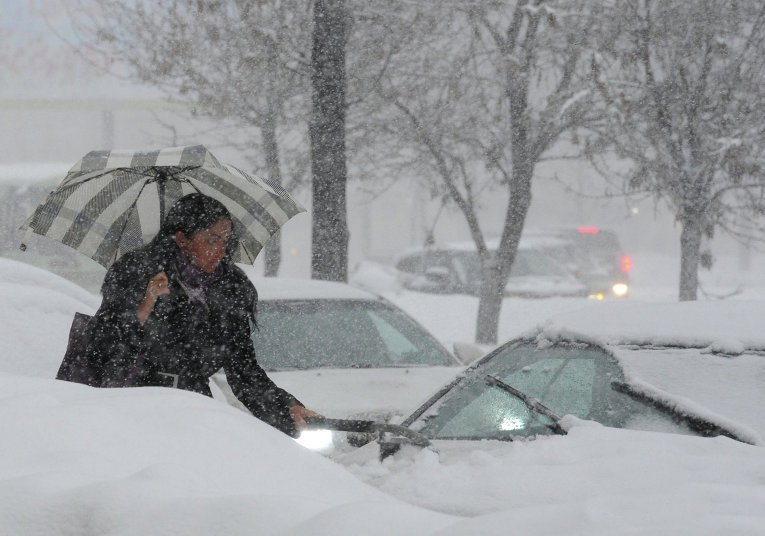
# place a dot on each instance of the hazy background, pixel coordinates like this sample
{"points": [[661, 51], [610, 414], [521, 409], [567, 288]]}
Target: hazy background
{"points": [[56, 105]]}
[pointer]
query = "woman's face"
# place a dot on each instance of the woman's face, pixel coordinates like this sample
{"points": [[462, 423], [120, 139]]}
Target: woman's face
{"points": [[206, 248]]}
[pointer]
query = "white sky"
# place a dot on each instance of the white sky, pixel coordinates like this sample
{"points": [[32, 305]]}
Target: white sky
{"points": [[56, 106]]}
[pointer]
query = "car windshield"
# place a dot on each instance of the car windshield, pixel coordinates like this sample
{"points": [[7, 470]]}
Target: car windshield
{"points": [[599, 250], [535, 263], [341, 333], [569, 378]]}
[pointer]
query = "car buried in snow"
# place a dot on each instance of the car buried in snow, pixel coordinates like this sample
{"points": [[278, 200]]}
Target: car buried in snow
{"points": [[532, 387], [344, 352]]}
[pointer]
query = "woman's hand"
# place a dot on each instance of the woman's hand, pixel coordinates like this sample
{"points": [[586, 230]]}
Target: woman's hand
{"points": [[159, 285], [299, 413]]}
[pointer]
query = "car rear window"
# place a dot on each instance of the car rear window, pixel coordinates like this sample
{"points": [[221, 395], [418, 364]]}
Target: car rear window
{"points": [[535, 263], [341, 333], [601, 242]]}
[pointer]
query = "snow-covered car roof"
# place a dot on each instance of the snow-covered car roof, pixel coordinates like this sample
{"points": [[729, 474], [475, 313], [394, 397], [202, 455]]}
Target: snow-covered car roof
{"points": [[19, 273], [729, 327], [543, 241], [282, 288], [36, 311], [492, 244]]}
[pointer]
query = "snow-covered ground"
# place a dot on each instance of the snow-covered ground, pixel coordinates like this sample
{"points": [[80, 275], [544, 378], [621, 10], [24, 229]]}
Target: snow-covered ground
{"points": [[78, 460]]}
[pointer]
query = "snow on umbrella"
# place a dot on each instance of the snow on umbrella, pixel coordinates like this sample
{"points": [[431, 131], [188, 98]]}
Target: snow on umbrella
{"points": [[112, 202]]}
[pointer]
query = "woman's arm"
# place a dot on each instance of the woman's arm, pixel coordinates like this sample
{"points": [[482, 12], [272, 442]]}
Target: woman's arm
{"points": [[249, 382], [118, 337], [252, 386]]}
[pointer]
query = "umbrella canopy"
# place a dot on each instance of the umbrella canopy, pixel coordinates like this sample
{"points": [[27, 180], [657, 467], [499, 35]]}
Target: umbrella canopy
{"points": [[112, 202]]}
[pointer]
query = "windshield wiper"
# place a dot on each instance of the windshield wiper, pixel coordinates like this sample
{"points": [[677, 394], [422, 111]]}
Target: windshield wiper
{"points": [[533, 404]]}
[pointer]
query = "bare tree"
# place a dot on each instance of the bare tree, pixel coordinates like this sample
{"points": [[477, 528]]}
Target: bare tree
{"points": [[278, 67], [239, 61], [483, 92], [682, 82]]}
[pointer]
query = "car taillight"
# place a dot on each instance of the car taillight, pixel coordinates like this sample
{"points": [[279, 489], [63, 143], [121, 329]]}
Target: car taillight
{"points": [[588, 230], [625, 264]]}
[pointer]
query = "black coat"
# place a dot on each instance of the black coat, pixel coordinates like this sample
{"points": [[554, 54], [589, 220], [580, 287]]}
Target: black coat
{"points": [[182, 341]]}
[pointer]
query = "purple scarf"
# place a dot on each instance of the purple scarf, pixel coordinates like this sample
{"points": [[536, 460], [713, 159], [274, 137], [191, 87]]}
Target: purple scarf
{"points": [[194, 281]]}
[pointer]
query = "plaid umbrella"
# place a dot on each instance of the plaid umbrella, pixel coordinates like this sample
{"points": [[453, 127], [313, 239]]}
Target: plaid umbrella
{"points": [[112, 202]]}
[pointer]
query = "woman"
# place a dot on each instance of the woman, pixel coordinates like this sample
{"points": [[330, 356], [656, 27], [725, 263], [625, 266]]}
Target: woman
{"points": [[177, 310]]}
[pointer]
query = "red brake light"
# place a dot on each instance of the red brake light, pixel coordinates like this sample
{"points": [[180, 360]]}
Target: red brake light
{"points": [[626, 264], [588, 230]]}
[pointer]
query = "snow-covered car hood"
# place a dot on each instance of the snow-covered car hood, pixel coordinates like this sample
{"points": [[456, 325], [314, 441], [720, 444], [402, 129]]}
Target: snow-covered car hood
{"points": [[379, 393], [346, 392]]}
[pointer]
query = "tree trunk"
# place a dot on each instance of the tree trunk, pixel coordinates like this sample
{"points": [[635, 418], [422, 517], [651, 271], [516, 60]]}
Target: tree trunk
{"points": [[489, 304], [525, 154], [329, 248], [690, 253], [273, 251], [498, 269]]}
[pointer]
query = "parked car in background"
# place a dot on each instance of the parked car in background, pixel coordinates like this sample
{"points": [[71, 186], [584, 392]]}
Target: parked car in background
{"points": [[344, 352], [22, 187], [592, 254], [456, 269]]}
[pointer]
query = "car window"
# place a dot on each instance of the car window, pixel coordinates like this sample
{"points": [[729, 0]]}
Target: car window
{"points": [[341, 333], [589, 252], [570, 379], [527, 263], [566, 255], [603, 242], [468, 261], [535, 263], [421, 261], [601, 250], [410, 264]]}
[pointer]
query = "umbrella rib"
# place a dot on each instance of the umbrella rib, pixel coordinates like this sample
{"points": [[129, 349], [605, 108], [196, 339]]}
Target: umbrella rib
{"points": [[187, 181], [127, 218], [131, 170], [244, 248], [64, 188], [174, 176], [137, 197]]}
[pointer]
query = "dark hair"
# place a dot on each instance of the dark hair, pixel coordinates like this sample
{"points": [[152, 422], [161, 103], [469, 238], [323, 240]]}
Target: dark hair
{"points": [[190, 214], [193, 213]]}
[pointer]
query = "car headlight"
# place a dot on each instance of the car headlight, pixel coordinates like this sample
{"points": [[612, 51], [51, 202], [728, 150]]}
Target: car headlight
{"points": [[620, 289], [318, 440]]}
